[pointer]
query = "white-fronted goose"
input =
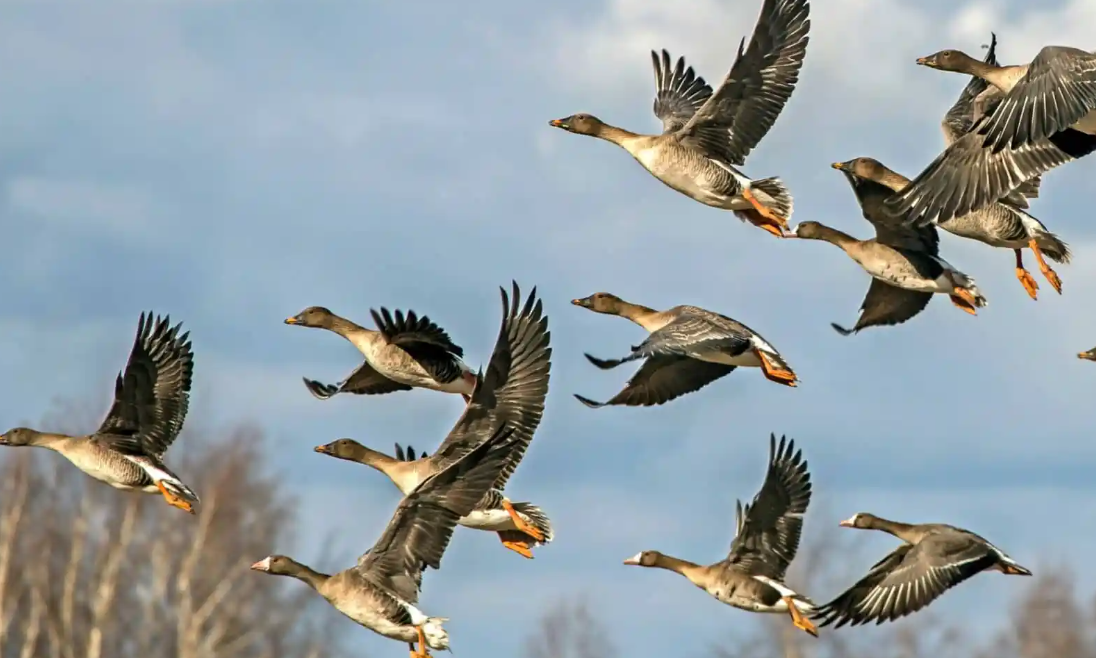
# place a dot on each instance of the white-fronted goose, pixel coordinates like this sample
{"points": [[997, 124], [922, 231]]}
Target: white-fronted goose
{"points": [[513, 392], [707, 136], [402, 353], [933, 558], [903, 261], [766, 540], [381, 592], [1090, 355], [999, 224], [1036, 117], [688, 348], [151, 397]]}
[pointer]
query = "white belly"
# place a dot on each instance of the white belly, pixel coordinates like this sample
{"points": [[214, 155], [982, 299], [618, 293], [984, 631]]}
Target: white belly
{"points": [[494, 520], [748, 359]]}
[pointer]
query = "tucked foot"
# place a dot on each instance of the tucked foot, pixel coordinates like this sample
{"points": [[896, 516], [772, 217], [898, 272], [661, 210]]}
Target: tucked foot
{"points": [[964, 300], [776, 373], [1028, 282], [520, 546], [1052, 278], [174, 500], [800, 621], [520, 523], [1050, 275], [768, 219]]}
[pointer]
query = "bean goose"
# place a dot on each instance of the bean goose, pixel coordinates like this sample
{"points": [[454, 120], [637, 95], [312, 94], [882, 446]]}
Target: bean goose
{"points": [[151, 397], [1035, 117], [381, 592], [1004, 223], [512, 391], [999, 224], [766, 540], [932, 559], [707, 136], [688, 348], [402, 353], [903, 261]]}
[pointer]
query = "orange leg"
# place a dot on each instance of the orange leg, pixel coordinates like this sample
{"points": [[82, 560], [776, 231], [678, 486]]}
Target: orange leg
{"points": [[1051, 276], [517, 542], [422, 652], [799, 619], [174, 500], [774, 373], [964, 300], [767, 220], [520, 523], [1025, 277]]}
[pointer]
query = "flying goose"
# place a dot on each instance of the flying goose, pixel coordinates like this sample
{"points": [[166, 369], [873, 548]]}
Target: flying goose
{"points": [[766, 540], [688, 348], [932, 559], [707, 136], [512, 391], [1004, 223], [1000, 224], [381, 592], [1033, 118], [402, 353], [151, 398], [903, 261]]}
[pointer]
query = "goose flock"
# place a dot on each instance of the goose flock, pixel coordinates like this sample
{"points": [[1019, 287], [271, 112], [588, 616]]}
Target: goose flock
{"points": [[1009, 126]]}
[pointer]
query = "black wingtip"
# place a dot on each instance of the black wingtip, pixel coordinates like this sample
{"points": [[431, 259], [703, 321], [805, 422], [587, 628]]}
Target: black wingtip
{"points": [[604, 364], [588, 402], [841, 330], [318, 389]]}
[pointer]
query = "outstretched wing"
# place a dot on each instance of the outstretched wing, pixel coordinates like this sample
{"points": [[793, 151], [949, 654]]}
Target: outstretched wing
{"points": [[152, 394], [425, 342], [744, 108], [891, 230], [886, 305], [423, 524], [679, 92], [513, 389], [1058, 90], [661, 379], [906, 581], [769, 528], [365, 380]]}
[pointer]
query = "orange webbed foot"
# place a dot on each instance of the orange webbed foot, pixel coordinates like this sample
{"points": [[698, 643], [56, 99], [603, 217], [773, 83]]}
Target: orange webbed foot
{"points": [[174, 500], [1028, 282], [776, 373], [520, 524]]}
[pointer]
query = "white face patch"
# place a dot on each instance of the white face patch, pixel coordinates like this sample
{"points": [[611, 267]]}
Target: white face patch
{"points": [[634, 559], [851, 521], [262, 565]]}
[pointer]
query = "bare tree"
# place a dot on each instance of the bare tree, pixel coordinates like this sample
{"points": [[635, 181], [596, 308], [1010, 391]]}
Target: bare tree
{"points": [[569, 630], [90, 572]]}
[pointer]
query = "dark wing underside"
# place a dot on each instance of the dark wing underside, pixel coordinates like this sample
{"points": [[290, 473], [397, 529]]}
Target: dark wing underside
{"points": [[513, 389], [152, 394], [769, 528], [663, 378], [363, 381], [423, 524], [887, 305], [423, 340]]}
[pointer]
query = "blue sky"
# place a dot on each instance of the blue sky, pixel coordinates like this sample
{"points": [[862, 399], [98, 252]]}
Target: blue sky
{"points": [[232, 162]]}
